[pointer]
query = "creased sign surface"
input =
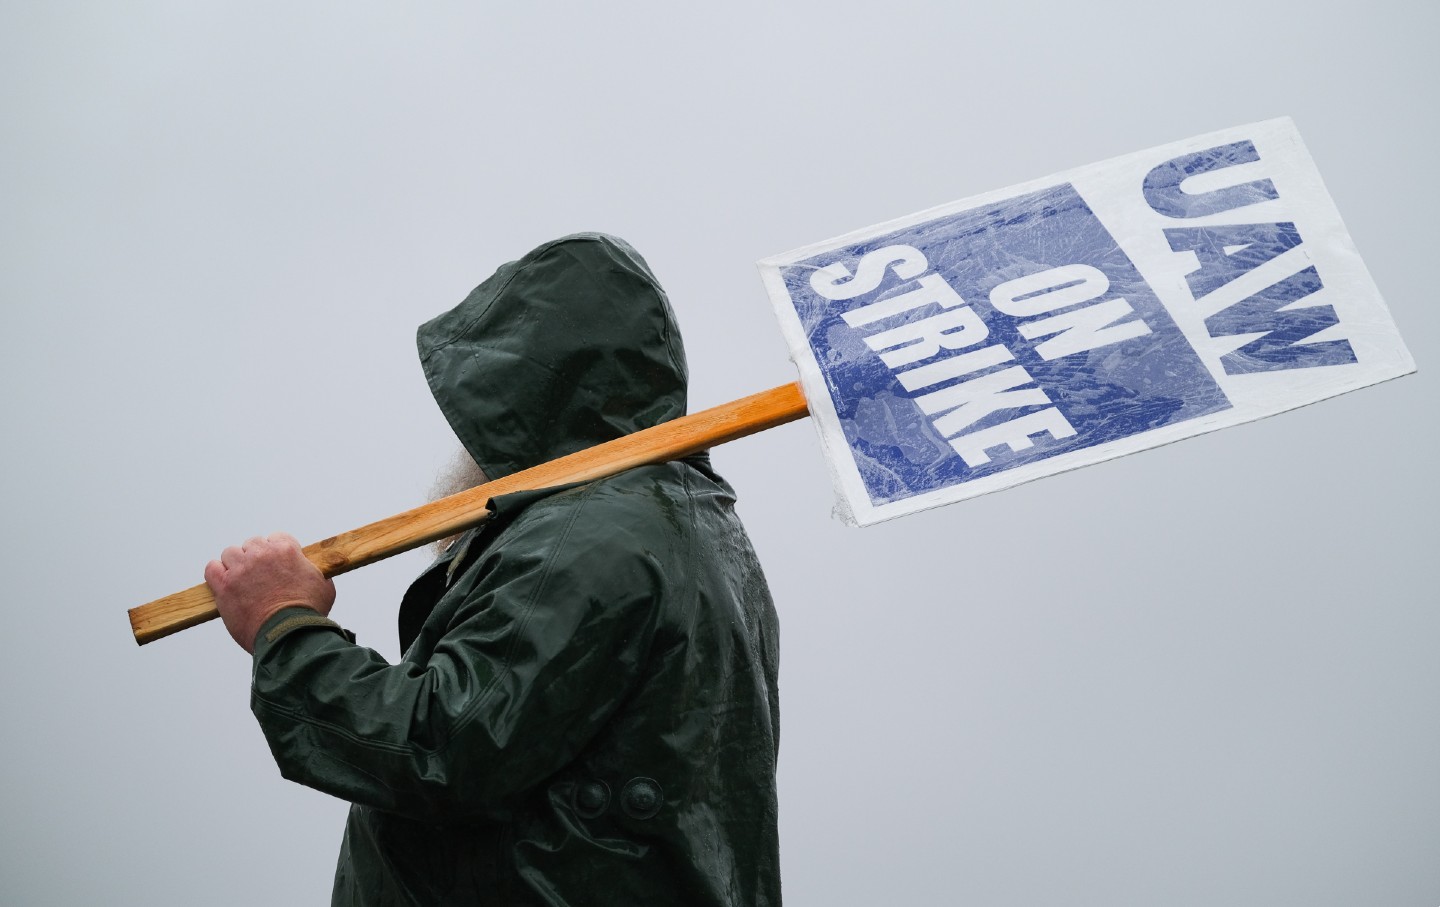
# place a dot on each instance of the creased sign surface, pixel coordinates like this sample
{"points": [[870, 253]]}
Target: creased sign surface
{"points": [[1079, 317]]}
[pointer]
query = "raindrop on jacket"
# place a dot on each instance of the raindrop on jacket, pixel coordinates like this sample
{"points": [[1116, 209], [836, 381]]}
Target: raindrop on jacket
{"points": [[586, 710]]}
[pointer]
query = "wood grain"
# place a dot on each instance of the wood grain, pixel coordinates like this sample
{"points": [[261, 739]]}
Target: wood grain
{"points": [[458, 512]]}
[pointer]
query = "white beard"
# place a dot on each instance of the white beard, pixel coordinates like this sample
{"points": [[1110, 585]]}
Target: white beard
{"points": [[454, 477]]}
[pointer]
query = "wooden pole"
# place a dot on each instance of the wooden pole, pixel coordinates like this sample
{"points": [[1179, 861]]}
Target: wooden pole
{"points": [[458, 512]]}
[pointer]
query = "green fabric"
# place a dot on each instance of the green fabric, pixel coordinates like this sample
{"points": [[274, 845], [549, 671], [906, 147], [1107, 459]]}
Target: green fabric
{"points": [[586, 711], [572, 345]]}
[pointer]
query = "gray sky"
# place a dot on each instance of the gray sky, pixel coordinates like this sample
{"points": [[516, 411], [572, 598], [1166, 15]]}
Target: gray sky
{"points": [[1204, 674]]}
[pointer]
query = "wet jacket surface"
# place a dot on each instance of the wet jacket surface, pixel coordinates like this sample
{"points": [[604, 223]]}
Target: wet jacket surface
{"points": [[586, 710]]}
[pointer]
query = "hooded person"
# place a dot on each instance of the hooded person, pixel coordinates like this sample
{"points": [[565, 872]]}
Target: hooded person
{"points": [[586, 710]]}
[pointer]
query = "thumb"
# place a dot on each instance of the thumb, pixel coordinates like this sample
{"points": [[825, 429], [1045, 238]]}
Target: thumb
{"points": [[214, 575]]}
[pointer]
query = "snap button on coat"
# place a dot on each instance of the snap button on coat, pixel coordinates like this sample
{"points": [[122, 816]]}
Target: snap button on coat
{"points": [[641, 798], [591, 798]]}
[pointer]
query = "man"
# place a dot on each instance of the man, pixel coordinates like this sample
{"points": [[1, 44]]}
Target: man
{"points": [[586, 711]]}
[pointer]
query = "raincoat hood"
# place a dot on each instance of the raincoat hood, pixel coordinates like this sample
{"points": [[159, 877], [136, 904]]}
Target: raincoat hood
{"points": [[573, 345]]}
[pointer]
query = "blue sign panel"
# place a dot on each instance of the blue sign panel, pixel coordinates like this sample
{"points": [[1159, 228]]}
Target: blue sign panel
{"points": [[991, 338]]}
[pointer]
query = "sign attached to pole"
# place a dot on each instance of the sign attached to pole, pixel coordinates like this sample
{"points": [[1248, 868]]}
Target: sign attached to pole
{"points": [[1077, 318], [1014, 335]]}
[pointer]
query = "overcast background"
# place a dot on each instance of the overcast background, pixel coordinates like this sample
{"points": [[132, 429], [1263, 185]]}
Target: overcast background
{"points": [[1201, 675]]}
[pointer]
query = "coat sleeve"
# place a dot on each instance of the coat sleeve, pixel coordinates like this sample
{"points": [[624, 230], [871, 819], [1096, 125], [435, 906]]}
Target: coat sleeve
{"points": [[534, 661]]}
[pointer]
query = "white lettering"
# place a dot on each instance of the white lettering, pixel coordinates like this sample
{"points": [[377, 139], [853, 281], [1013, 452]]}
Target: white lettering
{"points": [[970, 401], [1085, 328], [1049, 290], [949, 330], [954, 367], [1016, 433], [932, 289], [834, 281]]}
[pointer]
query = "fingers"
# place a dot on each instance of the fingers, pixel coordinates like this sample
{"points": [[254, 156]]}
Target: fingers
{"points": [[214, 574], [256, 546]]}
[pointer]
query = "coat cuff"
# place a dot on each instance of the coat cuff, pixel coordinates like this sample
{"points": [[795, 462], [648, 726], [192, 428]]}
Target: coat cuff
{"points": [[289, 620]]}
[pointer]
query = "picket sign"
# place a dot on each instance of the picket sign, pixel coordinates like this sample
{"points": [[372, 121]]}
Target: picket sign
{"points": [[1078, 318], [1014, 335]]}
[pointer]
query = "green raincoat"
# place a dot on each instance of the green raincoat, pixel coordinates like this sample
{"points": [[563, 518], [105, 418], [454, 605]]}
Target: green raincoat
{"points": [[586, 711]]}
